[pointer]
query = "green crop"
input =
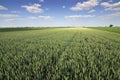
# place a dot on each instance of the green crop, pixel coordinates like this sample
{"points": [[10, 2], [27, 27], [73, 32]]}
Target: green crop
{"points": [[60, 54], [110, 29]]}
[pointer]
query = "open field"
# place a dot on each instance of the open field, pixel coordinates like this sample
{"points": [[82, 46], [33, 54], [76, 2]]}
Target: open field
{"points": [[22, 29], [60, 54], [111, 29]]}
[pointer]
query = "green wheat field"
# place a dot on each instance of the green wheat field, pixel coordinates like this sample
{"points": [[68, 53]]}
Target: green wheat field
{"points": [[60, 53]]}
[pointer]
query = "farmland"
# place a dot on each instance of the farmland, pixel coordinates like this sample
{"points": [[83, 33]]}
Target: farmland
{"points": [[59, 54], [111, 29]]}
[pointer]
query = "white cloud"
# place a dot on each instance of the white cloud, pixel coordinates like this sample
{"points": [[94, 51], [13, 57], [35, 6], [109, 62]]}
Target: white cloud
{"points": [[35, 8], [110, 1], [91, 11], [40, 17], [41, 0], [10, 20], [85, 5], [45, 17], [15, 11], [32, 17], [3, 8], [63, 7], [46, 9], [116, 14], [79, 16], [111, 6], [9, 16], [112, 15]]}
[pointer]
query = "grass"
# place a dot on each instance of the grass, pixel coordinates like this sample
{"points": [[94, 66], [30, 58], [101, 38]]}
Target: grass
{"points": [[60, 54], [26, 29], [110, 29], [22, 29]]}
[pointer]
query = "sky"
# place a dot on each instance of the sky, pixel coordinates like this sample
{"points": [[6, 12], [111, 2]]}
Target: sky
{"points": [[58, 13]]}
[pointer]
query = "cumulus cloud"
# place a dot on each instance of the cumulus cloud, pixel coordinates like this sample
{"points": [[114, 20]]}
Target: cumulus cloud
{"points": [[79, 16], [46, 9], [35, 8], [32, 17], [91, 11], [111, 6], [116, 14], [63, 7], [3, 8], [15, 11], [41, 0], [110, 1], [45, 17], [9, 16], [10, 20], [85, 5], [40, 17], [112, 15]]}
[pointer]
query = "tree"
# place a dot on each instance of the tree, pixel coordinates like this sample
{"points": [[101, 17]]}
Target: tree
{"points": [[110, 25]]}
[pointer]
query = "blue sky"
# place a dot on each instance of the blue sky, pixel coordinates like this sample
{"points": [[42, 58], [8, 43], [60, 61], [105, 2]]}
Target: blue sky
{"points": [[22, 13]]}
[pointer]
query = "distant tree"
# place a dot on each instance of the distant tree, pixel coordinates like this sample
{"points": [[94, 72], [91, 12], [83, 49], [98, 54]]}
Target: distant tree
{"points": [[110, 25]]}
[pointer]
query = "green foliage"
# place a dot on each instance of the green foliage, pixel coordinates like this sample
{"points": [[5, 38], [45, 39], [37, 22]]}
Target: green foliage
{"points": [[60, 54], [110, 25]]}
